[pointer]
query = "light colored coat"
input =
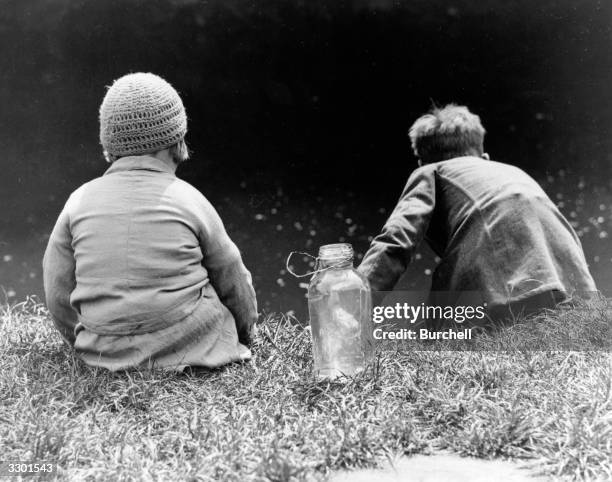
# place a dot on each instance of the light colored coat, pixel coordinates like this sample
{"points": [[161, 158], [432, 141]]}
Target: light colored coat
{"points": [[496, 231], [139, 271]]}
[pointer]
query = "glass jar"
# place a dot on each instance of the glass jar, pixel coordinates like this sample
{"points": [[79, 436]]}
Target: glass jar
{"points": [[340, 308]]}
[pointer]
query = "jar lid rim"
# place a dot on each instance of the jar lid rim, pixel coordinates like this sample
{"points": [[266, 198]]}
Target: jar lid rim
{"points": [[336, 251]]}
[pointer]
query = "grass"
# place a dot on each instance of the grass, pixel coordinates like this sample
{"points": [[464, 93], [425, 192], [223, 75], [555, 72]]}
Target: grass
{"points": [[269, 420]]}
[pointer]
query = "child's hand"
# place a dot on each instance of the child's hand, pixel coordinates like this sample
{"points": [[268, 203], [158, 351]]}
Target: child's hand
{"points": [[246, 337]]}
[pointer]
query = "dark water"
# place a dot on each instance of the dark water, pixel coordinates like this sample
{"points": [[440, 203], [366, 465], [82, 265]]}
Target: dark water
{"points": [[267, 228], [298, 112]]}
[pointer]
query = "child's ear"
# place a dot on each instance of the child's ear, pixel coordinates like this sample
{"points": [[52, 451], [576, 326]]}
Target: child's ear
{"points": [[485, 156]]}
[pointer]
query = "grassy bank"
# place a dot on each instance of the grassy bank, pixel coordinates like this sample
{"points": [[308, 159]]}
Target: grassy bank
{"points": [[268, 420]]}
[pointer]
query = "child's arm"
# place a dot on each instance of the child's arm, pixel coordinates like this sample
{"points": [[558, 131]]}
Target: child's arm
{"points": [[233, 284], [59, 277], [391, 251], [228, 275]]}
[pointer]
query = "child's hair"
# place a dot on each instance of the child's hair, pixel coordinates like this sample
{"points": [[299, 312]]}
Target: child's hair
{"points": [[445, 133]]}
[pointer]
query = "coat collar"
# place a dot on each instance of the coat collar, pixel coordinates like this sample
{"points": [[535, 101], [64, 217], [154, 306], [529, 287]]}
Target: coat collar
{"points": [[135, 163]]}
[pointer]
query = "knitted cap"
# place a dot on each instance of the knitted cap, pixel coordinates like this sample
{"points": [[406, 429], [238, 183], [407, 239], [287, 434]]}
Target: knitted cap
{"points": [[141, 113]]}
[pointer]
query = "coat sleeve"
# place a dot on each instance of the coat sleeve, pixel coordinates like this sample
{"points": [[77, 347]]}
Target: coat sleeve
{"points": [[59, 277], [392, 250], [228, 274]]}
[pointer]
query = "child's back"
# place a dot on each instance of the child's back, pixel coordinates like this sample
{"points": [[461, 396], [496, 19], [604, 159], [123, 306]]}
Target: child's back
{"points": [[496, 231], [139, 269]]}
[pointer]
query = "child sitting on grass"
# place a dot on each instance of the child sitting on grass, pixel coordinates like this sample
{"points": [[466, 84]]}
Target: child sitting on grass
{"points": [[496, 231], [139, 270]]}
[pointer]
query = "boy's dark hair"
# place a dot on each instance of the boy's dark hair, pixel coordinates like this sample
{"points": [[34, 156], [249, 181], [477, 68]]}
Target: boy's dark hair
{"points": [[445, 133]]}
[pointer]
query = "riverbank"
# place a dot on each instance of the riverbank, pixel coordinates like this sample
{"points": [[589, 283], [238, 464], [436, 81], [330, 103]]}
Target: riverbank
{"points": [[269, 420]]}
